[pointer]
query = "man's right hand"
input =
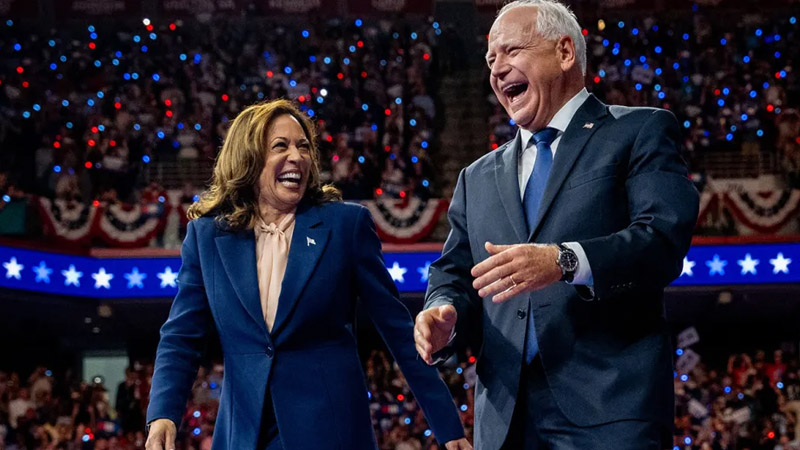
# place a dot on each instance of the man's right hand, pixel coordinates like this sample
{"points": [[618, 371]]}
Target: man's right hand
{"points": [[433, 329], [161, 436]]}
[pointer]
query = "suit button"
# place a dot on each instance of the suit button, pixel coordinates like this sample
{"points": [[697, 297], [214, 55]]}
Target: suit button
{"points": [[521, 313], [270, 351]]}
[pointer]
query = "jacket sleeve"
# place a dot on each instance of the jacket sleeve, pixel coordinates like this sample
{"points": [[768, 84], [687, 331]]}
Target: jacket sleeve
{"points": [[183, 338], [392, 319], [663, 208], [450, 278]]}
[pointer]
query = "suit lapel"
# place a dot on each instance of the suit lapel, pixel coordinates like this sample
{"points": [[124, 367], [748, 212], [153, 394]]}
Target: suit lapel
{"points": [[308, 242], [238, 253], [507, 179], [570, 147]]}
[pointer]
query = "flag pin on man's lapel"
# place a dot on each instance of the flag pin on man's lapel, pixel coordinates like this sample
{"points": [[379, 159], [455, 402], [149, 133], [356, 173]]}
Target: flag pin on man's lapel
{"points": [[588, 125], [310, 242]]}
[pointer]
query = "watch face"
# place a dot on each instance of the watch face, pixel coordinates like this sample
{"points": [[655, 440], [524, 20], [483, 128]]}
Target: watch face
{"points": [[568, 260]]}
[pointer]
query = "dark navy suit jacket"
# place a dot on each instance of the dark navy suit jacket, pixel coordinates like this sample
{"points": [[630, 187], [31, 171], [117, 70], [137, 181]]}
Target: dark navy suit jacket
{"points": [[309, 362], [618, 187]]}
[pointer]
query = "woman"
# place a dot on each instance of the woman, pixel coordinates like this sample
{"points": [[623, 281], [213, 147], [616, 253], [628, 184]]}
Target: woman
{"points": [[276, 261]]}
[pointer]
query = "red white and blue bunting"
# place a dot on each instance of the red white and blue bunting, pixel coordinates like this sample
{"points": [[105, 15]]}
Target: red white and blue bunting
{"points": [[405, 221], [753, 212]]}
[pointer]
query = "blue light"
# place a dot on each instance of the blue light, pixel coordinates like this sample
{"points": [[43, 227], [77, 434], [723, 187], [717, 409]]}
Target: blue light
{"points": [[144, 49], [373, 127], [621, 24], [729, 137], [69, 125], [292, 83], [212, 385], [605, 42], [153, 36], [365, 107], [602, 73], [684, 378], [427, 433], [685, 36], [721, 102], [777, 54], [197, 431], [160, 134], [426, 183], [312, 58], [658, 71], [686, 124], [744, 117], [658, 49], [679, 351], [423, 144], [779, 385], [759, 32], [436, 24], [777, 37], [53, 66], [135, 76], [126, 76], [726, 91], [17, 47], [85, 438], [414, 159], [635, 31], [615, 51], [655, 27], [662, 95], [642, 59], [466, 386], [310, 113], [91, 28], [360, 22], [627, 62], [327, 60], [90, 102], [176, 144], [180, 125], [51, 43], [137, 38], [9, 22], [26, 114], [118, 54], [793, 20], [740, 396], [464, 408], [413, 122], [783, 73], [198, 127], [760, 133], [398, 101], [287, 70], [145, 159], [746, 59], [93, 36], [197, 58], [196, 198], [638, 86], [407, 420], [6, 198], [97, 63], [63, 58], [727, 389], [137, 127], [361, 160], [57, 169], [346, 61], [687, 440], [64, 103], [182, 57], [115, 61], [765, 85], [156, 77], [196, 414], [320, 100], [657, 87]]}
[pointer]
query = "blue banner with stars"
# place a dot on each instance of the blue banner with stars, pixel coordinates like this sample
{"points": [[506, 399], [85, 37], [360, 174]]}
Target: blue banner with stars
{"points": [[154, 277]]}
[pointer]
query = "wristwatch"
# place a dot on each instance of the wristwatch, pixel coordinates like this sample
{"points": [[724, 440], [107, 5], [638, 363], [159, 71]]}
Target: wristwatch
{"points": [[568, 262]]}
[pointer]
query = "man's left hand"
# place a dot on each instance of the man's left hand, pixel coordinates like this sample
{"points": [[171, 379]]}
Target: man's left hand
{"points": [[460, 444], [516, 269]]}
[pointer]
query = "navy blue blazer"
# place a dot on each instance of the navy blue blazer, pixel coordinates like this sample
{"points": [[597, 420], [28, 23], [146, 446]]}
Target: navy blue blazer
{"points": [[619, 187], [309, 362]]}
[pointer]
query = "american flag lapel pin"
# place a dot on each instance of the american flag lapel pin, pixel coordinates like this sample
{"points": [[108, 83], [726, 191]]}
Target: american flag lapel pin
{"points": [[310, 242], [588, 125]]}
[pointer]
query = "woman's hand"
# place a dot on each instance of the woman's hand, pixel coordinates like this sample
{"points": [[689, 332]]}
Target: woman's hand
{"points": [[162, 435], [459, 444]]}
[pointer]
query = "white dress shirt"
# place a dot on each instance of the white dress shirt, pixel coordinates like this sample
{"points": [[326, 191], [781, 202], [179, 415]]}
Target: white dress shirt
{"points": [[527, 158]]}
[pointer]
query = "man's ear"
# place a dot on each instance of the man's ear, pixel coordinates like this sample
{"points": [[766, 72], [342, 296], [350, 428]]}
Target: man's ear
{"points": [[565, 51]]}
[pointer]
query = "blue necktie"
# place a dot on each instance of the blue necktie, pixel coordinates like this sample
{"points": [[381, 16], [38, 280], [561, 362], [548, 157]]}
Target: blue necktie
{"points": [[534, 189]]}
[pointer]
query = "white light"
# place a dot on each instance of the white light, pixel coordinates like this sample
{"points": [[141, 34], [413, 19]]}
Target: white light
{"points": [[323, 92], [146, 21]]}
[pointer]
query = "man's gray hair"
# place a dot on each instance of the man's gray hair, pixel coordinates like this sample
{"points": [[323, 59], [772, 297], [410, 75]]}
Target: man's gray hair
{"points": [[554, 19]]}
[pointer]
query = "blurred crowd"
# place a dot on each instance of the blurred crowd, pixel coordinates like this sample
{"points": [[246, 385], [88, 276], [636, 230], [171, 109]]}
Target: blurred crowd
{"points": [[99, 112], [750, 403], [728, 78]]}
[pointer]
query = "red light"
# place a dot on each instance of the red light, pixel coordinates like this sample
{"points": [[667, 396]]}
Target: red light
{"points": [[150, 28], [770, 108], [270, 74], [118, 105], [95, 129], [95, 203], [168, 102], [314, 90], [778, 75], [20, 69], [585, 32], [771, 435], [487, 37], [329, 138], [92, 45], [402, 194], [596, 79], [25, 84], [388, 112], [494, 145], [169, 113], [91, 143], [379, 191], [88, 430], [340, 75], [400, 397], [426, 56], [112, 143], [797, 140], [387, 148], [717, 91], [225, 97], [363, 74], [56, 144], [472, 360], [302, 98], [172, 26], [335, 158], [88, 164], [360, 44]]}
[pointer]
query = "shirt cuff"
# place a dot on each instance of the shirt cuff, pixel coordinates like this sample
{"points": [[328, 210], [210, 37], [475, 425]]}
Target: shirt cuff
{"points": [[583, 276]]}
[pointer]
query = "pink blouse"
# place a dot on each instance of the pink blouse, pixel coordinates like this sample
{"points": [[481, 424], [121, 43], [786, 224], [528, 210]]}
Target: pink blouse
{"points": [[272, 255]]}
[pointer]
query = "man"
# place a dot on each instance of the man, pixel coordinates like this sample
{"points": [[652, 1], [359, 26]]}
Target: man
{"points": [[562, 243]]}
